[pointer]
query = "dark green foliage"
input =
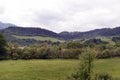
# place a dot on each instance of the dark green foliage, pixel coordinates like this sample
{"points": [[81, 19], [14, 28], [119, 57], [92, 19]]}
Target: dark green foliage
{"points": [[103, 76], [15, 51], [2, 47], [28, 42], [70, 53], [106, 53], [69, 50], [73, 45], [116, 39], [72, 50], [94, 41]]}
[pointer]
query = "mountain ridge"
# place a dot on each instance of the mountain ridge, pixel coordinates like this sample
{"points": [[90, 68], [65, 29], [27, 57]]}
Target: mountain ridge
{"points": [[105, 32], [12, 31], [5, 25]]}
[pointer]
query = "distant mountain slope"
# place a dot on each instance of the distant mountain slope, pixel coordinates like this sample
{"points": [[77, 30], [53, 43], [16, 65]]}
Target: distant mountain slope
{"points": [[105, 32], [27, 36], [30, 35], [20, 31], [5, 25]]}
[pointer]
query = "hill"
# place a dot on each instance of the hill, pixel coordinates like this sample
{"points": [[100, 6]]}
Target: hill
{"points": [[30, 35], [105, 32], [5, 25], [25, 36], [29, 32]]}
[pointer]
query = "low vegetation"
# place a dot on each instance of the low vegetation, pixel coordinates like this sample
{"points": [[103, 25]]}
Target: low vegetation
{"points": [[53, 69]]}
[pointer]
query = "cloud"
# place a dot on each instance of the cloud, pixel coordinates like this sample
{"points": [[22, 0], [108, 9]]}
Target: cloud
{"points": [[1, 10], [62, 15], [47, 17]]}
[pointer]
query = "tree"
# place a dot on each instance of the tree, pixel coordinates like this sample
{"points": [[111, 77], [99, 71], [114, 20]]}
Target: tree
{"points": [[2, 47], [74, 45], [85, 68]]}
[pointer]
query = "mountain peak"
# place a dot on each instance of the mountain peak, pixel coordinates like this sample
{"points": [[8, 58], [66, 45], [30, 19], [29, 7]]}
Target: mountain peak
{"points": [[5, 25]]}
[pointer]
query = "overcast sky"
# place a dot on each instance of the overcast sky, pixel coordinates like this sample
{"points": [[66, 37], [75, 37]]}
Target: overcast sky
{"points": [[61, 15]]}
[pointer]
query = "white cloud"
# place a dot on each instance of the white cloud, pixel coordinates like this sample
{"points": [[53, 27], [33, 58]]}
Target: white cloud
{"points": [[61, 15], [1, 10]]}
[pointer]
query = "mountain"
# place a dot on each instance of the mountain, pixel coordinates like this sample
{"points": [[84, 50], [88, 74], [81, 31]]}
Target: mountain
{"points": [[5, 25], [105, 32], [29, 31], [29, 35]]}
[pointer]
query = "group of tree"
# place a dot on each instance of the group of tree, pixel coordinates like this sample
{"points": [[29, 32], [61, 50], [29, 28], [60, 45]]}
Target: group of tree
{"points": [[66, 50], [2, 47], [70, 50]]}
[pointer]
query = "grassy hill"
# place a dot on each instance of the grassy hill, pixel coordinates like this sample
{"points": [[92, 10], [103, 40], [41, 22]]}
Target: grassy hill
{"points": [[52, 69], [40, 38]]}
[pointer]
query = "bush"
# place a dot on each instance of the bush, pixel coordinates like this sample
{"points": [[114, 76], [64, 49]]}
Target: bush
{"points": [[86, 65], [103, 76], [107, 53], [71, 53]]}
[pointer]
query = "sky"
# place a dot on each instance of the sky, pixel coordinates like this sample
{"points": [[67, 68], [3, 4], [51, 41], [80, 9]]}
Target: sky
{"points": [[61, 15]]}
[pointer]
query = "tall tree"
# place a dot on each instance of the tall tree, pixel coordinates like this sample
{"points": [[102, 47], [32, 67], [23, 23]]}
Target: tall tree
{"points": [[2, 47], [85, 68]]}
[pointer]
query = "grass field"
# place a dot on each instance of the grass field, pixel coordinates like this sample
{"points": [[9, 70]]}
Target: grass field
{"points": [[38, 38], [51, 69]]}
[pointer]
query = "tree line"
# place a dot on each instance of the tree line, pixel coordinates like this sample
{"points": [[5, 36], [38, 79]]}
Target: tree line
{"points": [[66, 50]]}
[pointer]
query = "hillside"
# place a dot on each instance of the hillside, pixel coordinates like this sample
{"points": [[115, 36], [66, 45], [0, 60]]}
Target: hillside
{"points": [[31, 35], [105, 32], [29, 32], [25, 36], [5, 25]]}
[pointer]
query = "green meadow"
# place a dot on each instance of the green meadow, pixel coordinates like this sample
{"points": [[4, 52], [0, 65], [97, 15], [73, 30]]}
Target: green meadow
{"points": [[52, 69]]}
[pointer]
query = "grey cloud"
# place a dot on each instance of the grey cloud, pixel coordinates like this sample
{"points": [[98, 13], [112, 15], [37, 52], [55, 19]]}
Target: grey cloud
{"points": [[82, 15], [47, 17], [93, 14]]}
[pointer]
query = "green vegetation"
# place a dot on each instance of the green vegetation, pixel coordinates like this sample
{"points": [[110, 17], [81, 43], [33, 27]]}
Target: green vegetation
{"points": [[107, 39], [85, 69], [29, 69], [52, 69], [3, 44], [40, 38], [67, 50]]}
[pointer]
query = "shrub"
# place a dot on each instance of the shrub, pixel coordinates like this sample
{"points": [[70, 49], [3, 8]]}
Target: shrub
{"points": [[71, 53], [106, 54], [103, 76], [86, 65]]}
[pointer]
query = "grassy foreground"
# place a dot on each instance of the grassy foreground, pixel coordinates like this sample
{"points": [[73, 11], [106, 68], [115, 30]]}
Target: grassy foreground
{"points": [[51, 69]]}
